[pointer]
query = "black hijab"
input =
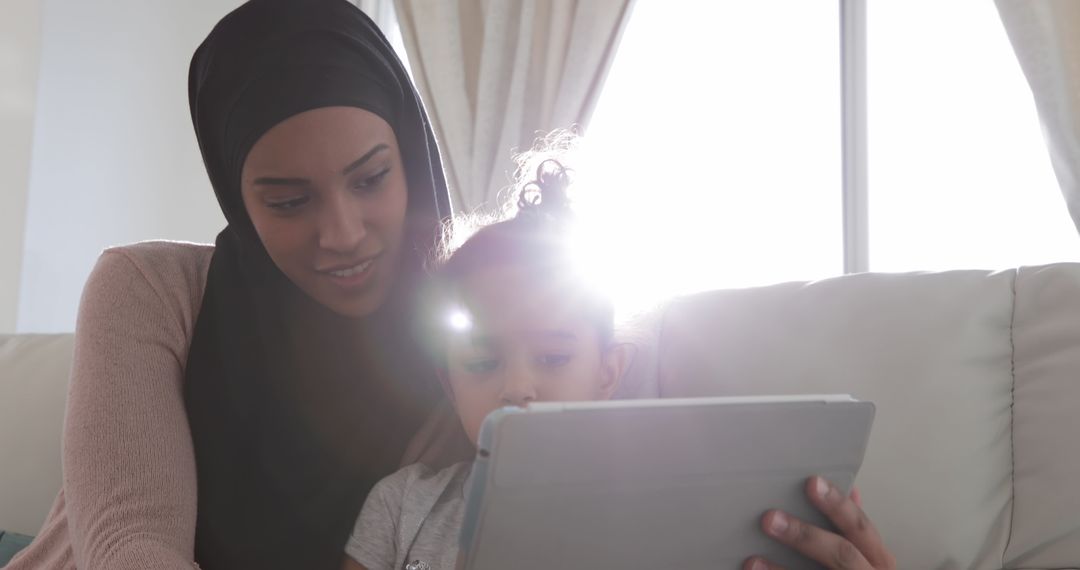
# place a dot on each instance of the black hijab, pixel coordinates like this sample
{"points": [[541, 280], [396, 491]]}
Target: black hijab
{"points": [[296, 411]]}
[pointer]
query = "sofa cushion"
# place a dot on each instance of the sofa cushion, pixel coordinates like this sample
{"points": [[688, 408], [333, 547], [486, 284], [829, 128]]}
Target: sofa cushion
{"points": [[1046, 427], [34, 372], [933, 351]]}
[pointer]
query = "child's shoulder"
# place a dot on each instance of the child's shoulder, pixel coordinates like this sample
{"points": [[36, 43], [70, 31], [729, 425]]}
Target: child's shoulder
{"points": [[416, 476], [421, 474]]}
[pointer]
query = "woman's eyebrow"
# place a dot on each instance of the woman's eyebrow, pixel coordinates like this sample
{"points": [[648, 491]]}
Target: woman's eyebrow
{"points": [[282, 181], [367, 156], [270, 181]]}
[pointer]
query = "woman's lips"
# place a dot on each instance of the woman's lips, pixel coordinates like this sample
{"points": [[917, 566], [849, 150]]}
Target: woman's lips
{"points": [[352, 277]]}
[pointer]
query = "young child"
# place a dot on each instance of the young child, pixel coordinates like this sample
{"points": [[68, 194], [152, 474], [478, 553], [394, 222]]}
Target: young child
{"points": [[529, 330]]}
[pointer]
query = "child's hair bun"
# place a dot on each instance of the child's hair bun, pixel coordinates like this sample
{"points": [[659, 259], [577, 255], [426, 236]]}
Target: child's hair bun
{"points": [[547, 196]]}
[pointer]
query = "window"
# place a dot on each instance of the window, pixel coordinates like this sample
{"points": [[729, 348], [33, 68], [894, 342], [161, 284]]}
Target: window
{"points": [[717, 144], [960, 176]]}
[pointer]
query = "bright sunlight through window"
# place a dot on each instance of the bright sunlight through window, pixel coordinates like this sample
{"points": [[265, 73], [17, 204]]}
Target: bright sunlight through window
{"points": [[713, 157], [960, 176]]}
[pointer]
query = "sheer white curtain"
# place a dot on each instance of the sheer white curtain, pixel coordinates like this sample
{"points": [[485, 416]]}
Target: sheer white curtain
{"points": [[1046, 37], [381, 11], [495, 73]]}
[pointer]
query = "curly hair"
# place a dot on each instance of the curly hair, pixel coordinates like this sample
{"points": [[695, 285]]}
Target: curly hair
{"points": [[534, 233], [541, 186]]}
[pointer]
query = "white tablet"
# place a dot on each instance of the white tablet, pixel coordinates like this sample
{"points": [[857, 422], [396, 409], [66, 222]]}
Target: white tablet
{"points": [[671, 484]]}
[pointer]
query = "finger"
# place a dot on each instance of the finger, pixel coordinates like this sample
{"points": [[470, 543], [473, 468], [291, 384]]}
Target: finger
{"points": [[856, 496], [759, 563], [831, 550], [849, 519]]}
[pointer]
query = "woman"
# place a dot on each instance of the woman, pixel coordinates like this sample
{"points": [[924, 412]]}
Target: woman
{"points": [[231, 406], [277, 369]]}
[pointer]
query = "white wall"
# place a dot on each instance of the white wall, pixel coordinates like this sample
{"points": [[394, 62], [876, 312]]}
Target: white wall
{"points": [[114, 155], [20, 52]]}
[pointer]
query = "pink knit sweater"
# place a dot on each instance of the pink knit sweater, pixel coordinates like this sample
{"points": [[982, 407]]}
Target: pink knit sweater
{"points": [[128, 495]]}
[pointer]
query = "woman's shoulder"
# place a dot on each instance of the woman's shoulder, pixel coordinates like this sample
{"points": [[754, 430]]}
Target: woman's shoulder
{"points": [[168, 258], [172, 268], [169, 274]]}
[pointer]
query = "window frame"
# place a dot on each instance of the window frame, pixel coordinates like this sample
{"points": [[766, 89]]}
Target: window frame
{"points": [[853, 155]]}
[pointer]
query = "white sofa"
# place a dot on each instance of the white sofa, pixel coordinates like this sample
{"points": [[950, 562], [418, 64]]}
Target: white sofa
{"points": [[34, 373], [975, 457]]}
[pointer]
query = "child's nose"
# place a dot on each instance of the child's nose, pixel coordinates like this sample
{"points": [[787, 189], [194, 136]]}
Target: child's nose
{"points": [[518, 390]]}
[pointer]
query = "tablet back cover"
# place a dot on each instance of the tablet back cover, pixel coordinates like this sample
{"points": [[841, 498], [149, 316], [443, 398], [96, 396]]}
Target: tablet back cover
{"points": [[652, 484]]}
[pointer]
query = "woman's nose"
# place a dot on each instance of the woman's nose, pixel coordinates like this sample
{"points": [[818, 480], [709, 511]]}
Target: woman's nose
{"points": [[341, 226]]}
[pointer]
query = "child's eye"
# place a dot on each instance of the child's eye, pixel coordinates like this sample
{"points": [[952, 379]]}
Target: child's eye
{"points": [[371, 182], [554, 360], [287, 205], [481, 366]]}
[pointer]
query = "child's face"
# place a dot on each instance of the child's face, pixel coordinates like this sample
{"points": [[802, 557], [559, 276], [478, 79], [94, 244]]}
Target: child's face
{"points": [[528, 342]]}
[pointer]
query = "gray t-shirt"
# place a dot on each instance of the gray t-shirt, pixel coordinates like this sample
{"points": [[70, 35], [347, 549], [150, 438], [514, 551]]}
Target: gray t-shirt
{"points": [[411, 520]]}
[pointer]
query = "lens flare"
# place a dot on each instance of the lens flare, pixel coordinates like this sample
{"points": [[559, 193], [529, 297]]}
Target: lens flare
{"points": [[459, 320]]}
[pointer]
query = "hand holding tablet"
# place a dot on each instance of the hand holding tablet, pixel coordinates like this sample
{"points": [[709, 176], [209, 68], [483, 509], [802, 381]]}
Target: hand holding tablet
{"points": [[857, 547]]}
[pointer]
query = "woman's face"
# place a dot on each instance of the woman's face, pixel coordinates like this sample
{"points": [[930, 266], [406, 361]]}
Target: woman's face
{"points": [[327, 194]]}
